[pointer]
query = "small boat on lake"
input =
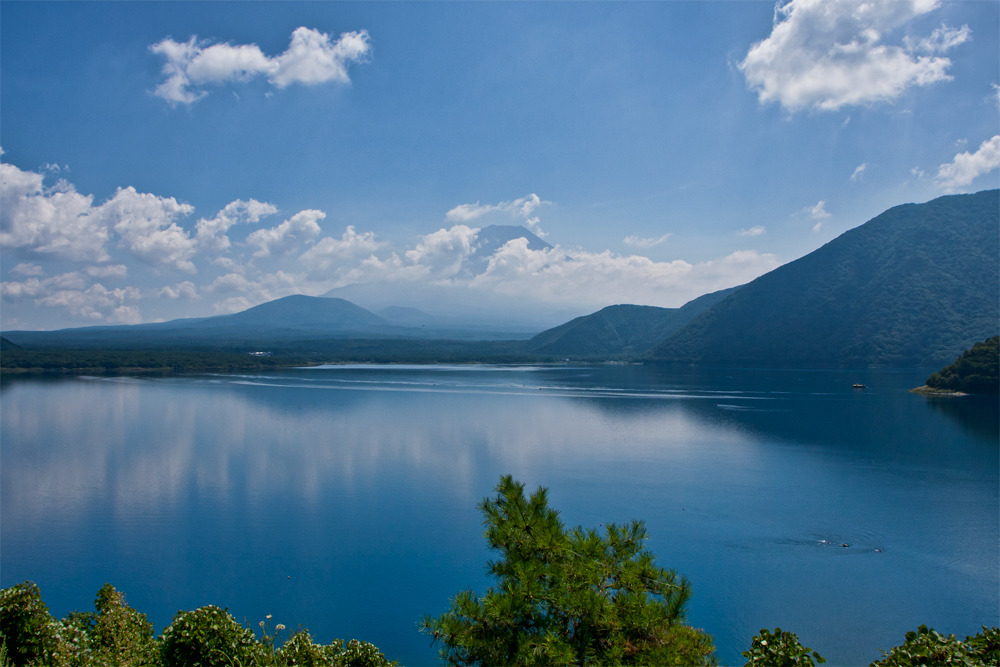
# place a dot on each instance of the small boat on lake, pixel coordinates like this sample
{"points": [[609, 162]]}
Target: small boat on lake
{"points": [[858, 385]]}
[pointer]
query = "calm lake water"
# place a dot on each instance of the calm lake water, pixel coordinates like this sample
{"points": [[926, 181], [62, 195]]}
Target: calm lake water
{"points": [[343, 498]]}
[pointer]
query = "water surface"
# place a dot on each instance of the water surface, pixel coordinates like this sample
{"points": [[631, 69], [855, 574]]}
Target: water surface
{"points": [[343, 498]]}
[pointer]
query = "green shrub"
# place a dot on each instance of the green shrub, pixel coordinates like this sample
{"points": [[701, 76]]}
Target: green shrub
{"points": [[121, 635], [208, 637], [300, 649], [929, 648], [780, 649], [360, 654], [28, 631]]}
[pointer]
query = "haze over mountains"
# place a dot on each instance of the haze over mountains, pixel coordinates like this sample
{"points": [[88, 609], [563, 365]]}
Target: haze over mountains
{"points": [[456, 304], [914, 286]]}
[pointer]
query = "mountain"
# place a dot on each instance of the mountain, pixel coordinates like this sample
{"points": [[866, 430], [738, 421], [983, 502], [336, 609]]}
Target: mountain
{"points": [[494, 237], [289, 318], [7, 345], [914, 286], [288, 321], [619, 331], [301, 314]]}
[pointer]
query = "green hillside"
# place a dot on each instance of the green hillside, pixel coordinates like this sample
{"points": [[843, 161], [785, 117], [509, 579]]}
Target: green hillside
{"points": [[914, 286], [977, 371], [619, 331]]}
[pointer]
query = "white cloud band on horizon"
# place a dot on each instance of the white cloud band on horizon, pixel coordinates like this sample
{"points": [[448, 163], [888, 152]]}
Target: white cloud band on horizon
{"points": [[119, 261], [311, 58], [827, 54]]}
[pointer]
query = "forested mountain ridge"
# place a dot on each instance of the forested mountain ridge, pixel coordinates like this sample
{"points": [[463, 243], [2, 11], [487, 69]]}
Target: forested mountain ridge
{"points": [[619, 331], [914, 286]]}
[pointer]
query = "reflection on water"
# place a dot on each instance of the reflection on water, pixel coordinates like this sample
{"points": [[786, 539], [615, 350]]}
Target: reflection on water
{"points": [[343, 498]]}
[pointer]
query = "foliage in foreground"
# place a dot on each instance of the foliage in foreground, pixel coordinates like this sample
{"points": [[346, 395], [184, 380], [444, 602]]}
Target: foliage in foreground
{"points": [[115, 635], [928, 648], [567, 596], [780, 649], [976, 371]]}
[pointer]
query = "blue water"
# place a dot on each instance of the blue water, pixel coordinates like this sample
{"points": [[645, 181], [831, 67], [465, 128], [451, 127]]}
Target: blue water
{"points": [[343, 498]]}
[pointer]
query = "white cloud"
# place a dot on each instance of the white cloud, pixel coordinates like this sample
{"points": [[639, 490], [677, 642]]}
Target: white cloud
{"points": [[859, 171], [147, 227], [588, 279], [637, 242], [942, 39], [818, 212], [55, 221], [185, 290], [311, 58], [443, 252], [212, 233], [827, 54], [27, 269], [286, 237], [72, 293], [329, 257], [756, 230], [107, 271], [522, 207], [966, 167]]}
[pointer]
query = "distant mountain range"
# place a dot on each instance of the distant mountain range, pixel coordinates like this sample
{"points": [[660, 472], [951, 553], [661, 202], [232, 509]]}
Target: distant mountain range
{"points": [[914, 286], [290, 319]]}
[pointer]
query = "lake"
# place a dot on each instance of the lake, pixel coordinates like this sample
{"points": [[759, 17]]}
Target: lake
{"points": [[343, 498]]}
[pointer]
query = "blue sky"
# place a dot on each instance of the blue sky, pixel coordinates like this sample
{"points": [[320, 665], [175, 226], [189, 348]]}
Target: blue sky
{"points": [[166, 159]]}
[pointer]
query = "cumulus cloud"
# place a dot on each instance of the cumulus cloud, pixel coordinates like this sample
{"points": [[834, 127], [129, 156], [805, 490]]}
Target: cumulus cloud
{"points": [[966, 167], [859, 171], [73, 293], [590, 279], [756, 230], [637, 242], [286, 237], [330, 257], [147, 227], [56, 221], [443, 252], [827, 54], [311, 58], [212, 233], [182, 290], [522, 207]]}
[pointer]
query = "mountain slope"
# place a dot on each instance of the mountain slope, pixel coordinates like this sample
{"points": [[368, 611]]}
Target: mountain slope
{"points": [[287, 318], [914, 286], [300, 313], [619, 331]]}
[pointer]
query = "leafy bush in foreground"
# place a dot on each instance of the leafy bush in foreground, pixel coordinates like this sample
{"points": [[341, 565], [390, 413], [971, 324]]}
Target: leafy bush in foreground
{"points": [[928, 648], [115, 635], [780, 649]]}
